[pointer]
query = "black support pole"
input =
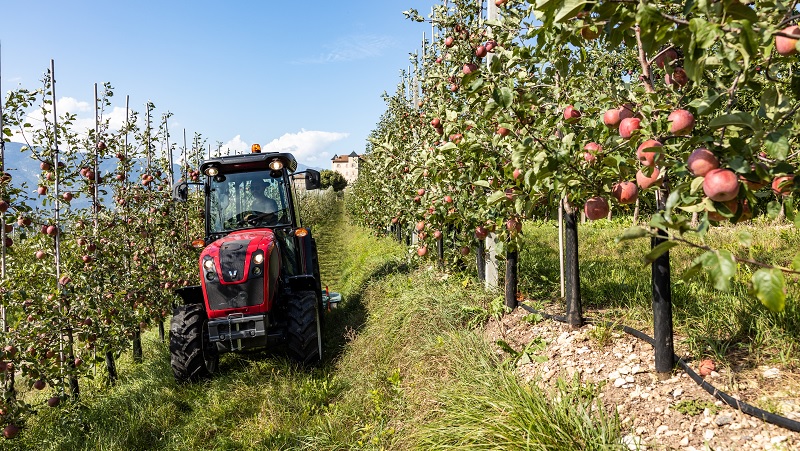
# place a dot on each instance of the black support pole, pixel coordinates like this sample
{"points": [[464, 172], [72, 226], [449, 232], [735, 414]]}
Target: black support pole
{"points": [[512, 260], [571, 269], [111, 366], [137, 346], [662, 305], [161, 330]]}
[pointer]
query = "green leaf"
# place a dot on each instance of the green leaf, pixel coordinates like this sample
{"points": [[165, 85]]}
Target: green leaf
{"points": [[777, 145], [569, 10], [481, 183], [495, 197], [773, 209], [740, 119], [721, 266], [796, 262], [693, 270], [768, 287], [504, 96], [745, 238], [658, 251], [632, 233]]}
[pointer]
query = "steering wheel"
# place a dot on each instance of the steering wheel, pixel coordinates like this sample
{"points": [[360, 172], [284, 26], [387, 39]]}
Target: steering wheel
{"points": [[251, 217]]}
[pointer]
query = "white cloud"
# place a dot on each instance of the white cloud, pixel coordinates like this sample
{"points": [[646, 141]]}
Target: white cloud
{"points": [[351, 48], [235, 145], [307, 146]]}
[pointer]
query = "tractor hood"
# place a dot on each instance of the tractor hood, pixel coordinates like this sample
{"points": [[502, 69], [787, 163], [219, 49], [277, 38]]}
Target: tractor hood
{"points": [[240, 272]]}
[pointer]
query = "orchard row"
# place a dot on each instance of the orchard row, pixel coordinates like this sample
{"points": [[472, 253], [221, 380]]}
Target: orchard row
{"points": [[91, 255], [688, 111]]}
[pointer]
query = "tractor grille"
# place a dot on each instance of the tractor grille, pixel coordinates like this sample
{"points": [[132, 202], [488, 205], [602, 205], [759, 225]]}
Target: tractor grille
{"points": [[231, 260], [221, 297]]}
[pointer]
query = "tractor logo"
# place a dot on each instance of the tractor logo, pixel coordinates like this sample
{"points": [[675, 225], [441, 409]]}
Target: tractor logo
{"points": [[232, 273]]}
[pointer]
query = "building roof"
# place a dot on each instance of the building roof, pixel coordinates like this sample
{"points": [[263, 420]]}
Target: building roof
{"points": [[353, 154]]}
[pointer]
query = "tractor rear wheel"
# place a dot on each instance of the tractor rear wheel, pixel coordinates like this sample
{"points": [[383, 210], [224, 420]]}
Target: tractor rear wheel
{"points": [[304, 334], [192, 355]]}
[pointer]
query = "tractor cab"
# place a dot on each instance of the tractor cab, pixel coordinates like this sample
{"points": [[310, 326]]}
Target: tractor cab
{"points": [[259, 272]]}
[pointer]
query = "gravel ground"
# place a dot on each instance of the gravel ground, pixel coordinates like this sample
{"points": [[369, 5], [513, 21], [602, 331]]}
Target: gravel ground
{"points": [[655, 414]]}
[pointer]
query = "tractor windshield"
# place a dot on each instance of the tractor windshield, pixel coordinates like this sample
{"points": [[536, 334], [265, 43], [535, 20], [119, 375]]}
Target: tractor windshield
{"points": [[247, 199]]}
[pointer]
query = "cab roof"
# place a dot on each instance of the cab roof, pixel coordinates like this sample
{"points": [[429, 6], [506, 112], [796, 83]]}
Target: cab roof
{"points": [[249, 162]]}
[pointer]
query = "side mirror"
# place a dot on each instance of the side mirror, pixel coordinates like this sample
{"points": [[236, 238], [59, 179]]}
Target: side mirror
{"points": [[180, 192], [312, 179]]}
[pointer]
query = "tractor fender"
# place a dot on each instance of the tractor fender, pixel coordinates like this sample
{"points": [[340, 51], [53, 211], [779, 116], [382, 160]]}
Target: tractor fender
{"points": [[191, 294]]}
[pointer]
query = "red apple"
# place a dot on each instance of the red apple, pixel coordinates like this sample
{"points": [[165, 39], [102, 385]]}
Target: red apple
{"points": [[480, 51], [721, 185], [40, 255], [39, 384], [571, 114], [465, 250], [787, 46], [647, 152], [514, 225], [469, 68], [420, 225], [590, 32], [665, 57], [448, 200], [436, 122], [449, 41], [706, 367], [701, 161], [682, 122], [421, 251], [67, 196], [499, 2], [481, 232], [45, 166], [596, 208], [54, 401], [678, 77], [52, 230], [42, 190], [24, 221], [626, 111], [783, 185], [421, 192], [517, 173], [502, 131], [611, 118], [437, 234], [10, 431], [490, 45], [64, 280], [646, 182], [625, 192], [628, 125]]}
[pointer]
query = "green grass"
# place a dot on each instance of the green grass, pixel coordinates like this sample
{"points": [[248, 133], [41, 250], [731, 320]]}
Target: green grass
{"points": [[732, 327], [404, 369]]}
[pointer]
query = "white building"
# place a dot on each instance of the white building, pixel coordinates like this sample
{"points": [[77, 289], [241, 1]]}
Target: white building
{"points": [[347, 165]]}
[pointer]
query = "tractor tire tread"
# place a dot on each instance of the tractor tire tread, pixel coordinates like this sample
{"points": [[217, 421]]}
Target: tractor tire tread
{"points": [[187, 356]]}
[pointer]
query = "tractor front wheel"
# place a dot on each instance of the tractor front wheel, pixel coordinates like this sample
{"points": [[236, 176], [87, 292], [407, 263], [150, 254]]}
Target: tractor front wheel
{"points": [[192, 355], [304, 334]]}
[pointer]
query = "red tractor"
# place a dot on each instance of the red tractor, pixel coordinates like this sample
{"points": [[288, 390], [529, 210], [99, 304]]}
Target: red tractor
{"points": [[259, 272]]}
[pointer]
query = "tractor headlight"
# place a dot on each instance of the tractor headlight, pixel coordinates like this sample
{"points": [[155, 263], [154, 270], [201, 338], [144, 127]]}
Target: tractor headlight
{"points": [[276, 165], [209, 265], [212, 171], [258, 258]]}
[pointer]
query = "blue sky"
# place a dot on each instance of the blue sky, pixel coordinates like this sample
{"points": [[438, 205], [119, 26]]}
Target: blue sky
{"points": [[305, 75]]}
